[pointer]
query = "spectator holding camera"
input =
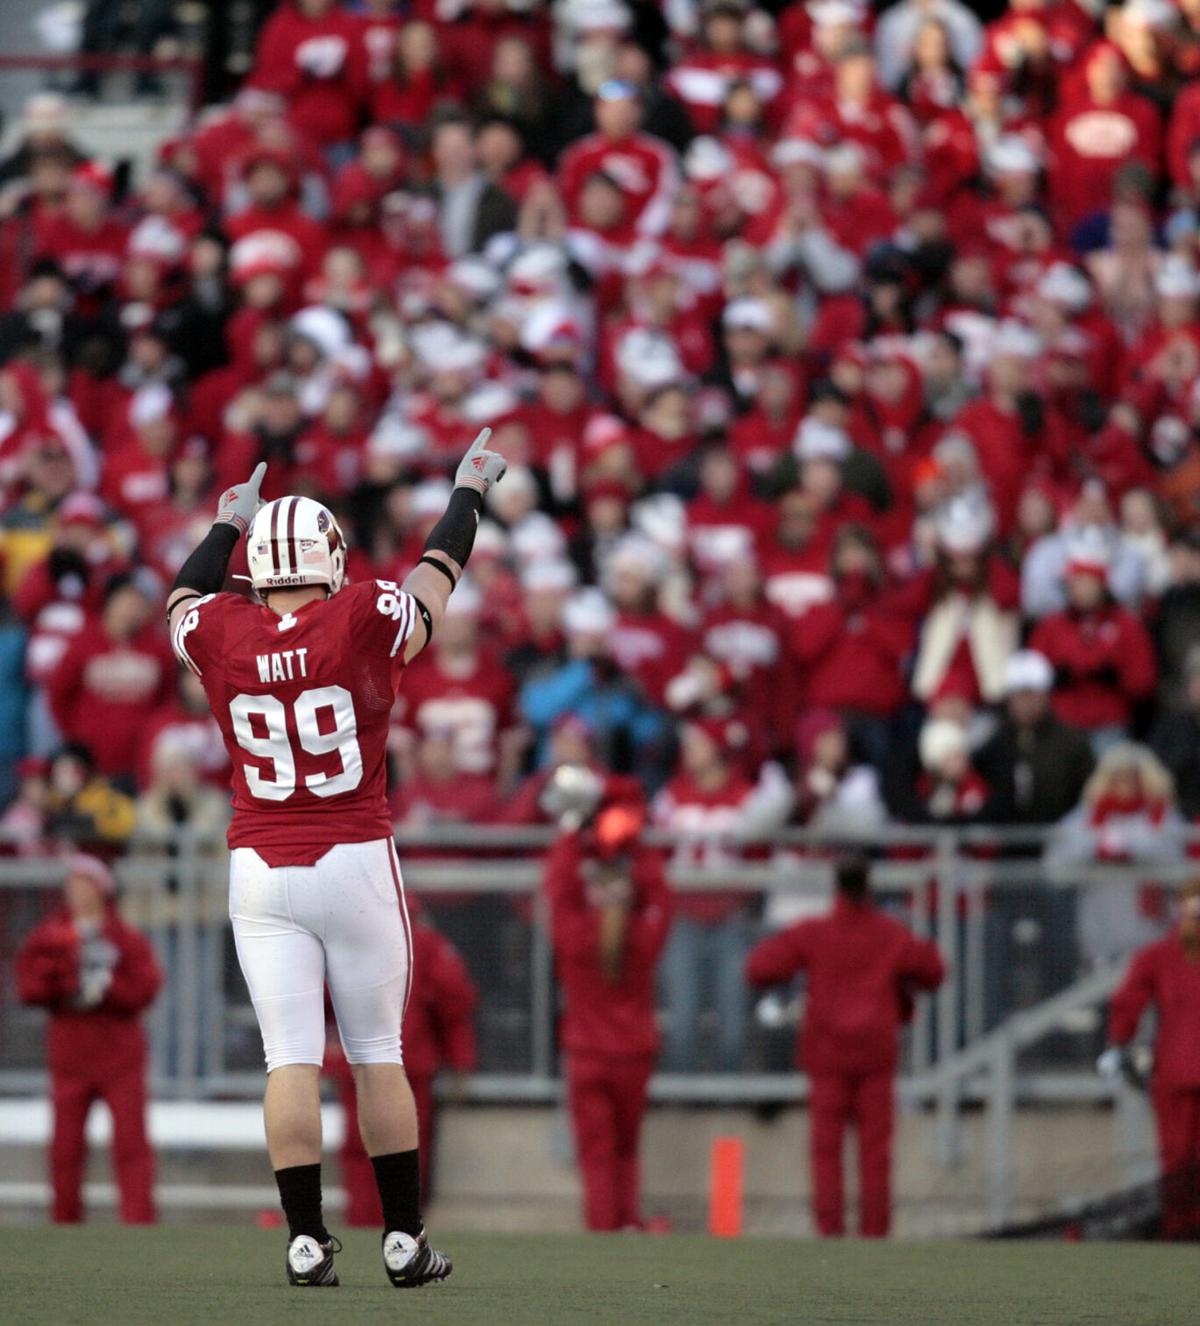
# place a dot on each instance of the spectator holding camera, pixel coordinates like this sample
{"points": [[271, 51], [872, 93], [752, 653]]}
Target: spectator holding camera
{"points": [[95, 975], [610, 911]]}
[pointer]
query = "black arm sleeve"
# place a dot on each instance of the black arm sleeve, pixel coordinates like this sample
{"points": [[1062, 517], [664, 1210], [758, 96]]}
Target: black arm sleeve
{"points": [[204, 570], [454, 534]]}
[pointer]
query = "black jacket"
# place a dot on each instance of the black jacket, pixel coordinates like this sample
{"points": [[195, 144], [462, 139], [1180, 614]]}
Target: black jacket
{"points": [[495, 213], [1035, 774]]}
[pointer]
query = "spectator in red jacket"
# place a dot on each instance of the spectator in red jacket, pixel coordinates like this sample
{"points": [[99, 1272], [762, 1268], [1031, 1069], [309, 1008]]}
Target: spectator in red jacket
{"points": [[310, 53], [1166, 976], [708, 804], [111, 676], [644, 168], [1096, 133], [849, 648], [95, 975], [289, 240], [862, 969], [85, 239], [609, 915], [1101, 653], [460, 686], [438, 1032], [439, 791]]}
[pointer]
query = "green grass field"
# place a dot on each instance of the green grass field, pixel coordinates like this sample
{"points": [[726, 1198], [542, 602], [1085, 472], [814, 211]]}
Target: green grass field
{"points": [[179, 1275]]}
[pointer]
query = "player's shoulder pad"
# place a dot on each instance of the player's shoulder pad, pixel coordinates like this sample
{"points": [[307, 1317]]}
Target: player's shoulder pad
{"points": [[394, 610], [202, 619]]}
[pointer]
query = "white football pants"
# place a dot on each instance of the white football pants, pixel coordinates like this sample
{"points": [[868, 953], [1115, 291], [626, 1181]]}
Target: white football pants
{"points": [[341, 921]]}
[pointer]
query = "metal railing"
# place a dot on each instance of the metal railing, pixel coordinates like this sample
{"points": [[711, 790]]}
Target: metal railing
{"points": [[1015, 1021]]}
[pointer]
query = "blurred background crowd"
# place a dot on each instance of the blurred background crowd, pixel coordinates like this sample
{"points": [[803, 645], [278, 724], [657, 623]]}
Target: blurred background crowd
{"points": [[847, 363]]}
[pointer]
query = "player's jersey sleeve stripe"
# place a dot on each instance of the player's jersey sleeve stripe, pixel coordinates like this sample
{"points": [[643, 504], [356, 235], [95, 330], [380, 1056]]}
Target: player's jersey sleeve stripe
{"points": [[408, 615], [189, 619], [179, 648]]}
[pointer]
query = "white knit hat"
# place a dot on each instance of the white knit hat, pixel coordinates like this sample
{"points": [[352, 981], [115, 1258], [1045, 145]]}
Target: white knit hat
{"points": [[588, 612], [940, 738], [1027, 670]]}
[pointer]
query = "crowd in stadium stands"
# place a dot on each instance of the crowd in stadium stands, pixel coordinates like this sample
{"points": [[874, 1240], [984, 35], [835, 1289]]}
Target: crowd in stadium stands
{"points": [[847, 365]]}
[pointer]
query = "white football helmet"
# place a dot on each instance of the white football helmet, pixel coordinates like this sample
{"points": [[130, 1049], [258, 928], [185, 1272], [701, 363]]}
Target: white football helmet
{"points": [[295, 541]]}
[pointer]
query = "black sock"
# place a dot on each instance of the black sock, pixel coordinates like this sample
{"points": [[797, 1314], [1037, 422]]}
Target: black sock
{"points": [[398, 1177], [300, 1196]]}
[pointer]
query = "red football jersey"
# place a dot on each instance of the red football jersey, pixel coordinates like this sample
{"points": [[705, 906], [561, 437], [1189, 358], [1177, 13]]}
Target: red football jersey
{"points": [[303, 702]]}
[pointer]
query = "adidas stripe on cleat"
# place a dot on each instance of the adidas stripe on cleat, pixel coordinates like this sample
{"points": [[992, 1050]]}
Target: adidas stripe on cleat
{"points": [[411, 1262], [310, 1264]]}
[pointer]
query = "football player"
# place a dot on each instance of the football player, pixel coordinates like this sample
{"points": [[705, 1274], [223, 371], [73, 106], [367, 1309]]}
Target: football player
{"points": [[301, 678]]}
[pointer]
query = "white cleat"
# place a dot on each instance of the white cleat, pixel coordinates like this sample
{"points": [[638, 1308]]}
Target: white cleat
{"points": [[411, 1262], [310, 1263]]}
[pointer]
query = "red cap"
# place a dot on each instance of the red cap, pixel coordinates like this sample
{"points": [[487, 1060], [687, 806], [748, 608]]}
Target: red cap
{"points": [[353, 186], [603, 431], [93, 175], [262, 154], [616, 828], [605, 486], [81, 509]]}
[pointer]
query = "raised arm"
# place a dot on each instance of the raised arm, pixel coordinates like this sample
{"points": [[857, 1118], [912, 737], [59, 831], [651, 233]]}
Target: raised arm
{"points": [[204, 570], [440, 568]]}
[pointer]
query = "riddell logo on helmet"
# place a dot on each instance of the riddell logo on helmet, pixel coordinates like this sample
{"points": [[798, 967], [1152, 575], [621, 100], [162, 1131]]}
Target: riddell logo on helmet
{"points": [[281, 582]]}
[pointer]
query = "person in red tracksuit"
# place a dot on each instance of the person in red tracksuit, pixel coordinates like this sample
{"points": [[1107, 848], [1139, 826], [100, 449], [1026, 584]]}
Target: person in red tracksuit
{"points": [[95, 975], [863, 969], [1166, 974], [438, 1031], [610, 912]]}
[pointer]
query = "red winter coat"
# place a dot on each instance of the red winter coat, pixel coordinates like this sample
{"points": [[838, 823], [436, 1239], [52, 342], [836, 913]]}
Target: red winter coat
{"points": [[717, 532], [475, 707], [319, 66], [102, 690], [107, 1038], [1182, 132], [862, 969], [651, 648], [850, 655], [1104, 661], [439, 1025], [308, 237], [644, 168], [1006, 453], [90, 259], [1089, 143], [601, 1014], [1164, 975]]}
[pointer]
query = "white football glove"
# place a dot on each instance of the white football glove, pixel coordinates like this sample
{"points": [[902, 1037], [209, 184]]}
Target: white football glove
{"points": [[238, 505], [480, 468]]}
